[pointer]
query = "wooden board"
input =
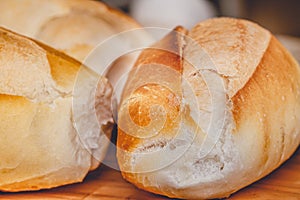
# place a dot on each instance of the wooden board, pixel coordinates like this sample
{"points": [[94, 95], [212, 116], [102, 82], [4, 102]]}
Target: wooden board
{"points": [[106, 183]]}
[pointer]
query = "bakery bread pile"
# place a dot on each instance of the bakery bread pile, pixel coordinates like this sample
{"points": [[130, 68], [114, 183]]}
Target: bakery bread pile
{"points": [[44, 141], [73, 26], [203, 113], [173, 107]]}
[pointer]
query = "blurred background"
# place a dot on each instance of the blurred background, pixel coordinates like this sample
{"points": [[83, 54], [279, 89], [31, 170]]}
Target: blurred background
{"points": [[281, 17]]}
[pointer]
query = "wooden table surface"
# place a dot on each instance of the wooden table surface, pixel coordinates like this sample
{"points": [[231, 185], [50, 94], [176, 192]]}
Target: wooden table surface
{"points": [[106, 183]]}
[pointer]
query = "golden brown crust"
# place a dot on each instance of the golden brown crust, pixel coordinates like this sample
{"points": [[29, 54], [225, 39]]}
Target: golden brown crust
{"points": [[140, 99], [165, 52], [276, 69], [63, 72], [24, 141], [39, 145], [262, 82], [63, 68], [265, 101]]}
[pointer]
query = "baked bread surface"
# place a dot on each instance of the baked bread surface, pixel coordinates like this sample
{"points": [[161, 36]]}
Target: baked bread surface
{"points": [[165, 127]]}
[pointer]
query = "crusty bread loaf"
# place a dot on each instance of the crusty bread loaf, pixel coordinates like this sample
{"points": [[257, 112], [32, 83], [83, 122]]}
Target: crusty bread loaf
{"points": [[74, 26], [173, 106], [40, 146]]}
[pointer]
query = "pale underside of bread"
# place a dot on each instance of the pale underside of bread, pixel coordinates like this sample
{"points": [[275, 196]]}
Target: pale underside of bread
{"points": [[39, 146], [261, 121], [74, 26]]}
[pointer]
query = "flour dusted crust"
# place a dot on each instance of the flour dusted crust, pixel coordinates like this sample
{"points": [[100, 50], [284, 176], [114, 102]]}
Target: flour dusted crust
{"points": [[40, 146], [261, 121]]}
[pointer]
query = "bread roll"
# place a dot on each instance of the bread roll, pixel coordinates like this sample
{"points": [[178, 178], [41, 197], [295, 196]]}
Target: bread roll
{"points": [[74, 26], [40, 146], [184, 135]]}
